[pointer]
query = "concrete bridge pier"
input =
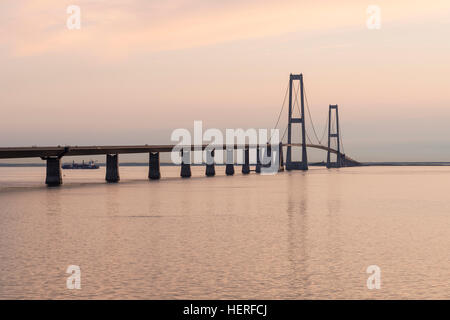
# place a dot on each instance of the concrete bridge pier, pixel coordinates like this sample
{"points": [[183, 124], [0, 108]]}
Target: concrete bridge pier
{"points": [[280, 158], [267, 157], [112, 168], [185, 164], [246, 164], [272, 160], [229, 170], [154, 172], [210, 170], [53, 175], [258, 161]]}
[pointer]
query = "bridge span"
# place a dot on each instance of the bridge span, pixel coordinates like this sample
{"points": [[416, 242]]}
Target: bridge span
{"points": [[272, 155], [53, 157], [60, 151]]}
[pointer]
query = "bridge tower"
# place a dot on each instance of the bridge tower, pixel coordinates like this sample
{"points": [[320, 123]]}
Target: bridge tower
{"points": [[303, 164], [337, 136]]}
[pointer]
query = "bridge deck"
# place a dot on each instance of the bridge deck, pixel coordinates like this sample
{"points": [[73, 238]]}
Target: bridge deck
{"points": [[44, 152]]}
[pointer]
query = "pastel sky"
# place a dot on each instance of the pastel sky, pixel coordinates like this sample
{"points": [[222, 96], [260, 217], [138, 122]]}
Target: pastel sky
{"points": [[138, 69]]}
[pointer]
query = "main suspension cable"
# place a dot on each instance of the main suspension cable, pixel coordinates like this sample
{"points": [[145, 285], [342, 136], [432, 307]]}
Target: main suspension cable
{"points": [[281, 111], [324, 130], [284, 133], [310, 117]]}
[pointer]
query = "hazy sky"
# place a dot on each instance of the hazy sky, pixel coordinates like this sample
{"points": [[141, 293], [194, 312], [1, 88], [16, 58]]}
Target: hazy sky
{"points": [[138, 69]]}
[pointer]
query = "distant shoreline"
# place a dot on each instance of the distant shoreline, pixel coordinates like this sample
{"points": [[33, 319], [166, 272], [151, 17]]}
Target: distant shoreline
{"points": [[317, 164], [406, 164], [396, 164]]}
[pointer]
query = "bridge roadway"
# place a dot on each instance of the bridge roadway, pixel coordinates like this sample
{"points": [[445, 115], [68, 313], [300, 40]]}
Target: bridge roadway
{"points": [[60, 151], [53, 157]]}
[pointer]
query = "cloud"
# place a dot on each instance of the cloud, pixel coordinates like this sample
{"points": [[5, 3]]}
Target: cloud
{"points": [[112, 29]]}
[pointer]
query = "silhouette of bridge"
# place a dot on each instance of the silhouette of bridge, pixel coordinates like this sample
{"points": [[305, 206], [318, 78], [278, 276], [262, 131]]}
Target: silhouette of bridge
{"points": [[53, 155]]}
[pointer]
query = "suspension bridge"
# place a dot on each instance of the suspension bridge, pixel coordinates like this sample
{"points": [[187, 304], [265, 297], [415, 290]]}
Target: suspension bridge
{"points": [[269, 155]]}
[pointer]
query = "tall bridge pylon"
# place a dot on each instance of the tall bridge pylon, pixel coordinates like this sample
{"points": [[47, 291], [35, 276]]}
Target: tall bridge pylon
{"points": [[303, 164], [335, 135]]}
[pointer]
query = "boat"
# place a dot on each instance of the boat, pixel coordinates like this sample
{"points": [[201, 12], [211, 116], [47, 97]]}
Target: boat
{"points": [[90, 165]]}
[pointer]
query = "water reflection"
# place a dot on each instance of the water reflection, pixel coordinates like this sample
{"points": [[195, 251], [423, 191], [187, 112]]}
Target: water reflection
{"points": [[334, 241], [297, 213], [293, 235]]}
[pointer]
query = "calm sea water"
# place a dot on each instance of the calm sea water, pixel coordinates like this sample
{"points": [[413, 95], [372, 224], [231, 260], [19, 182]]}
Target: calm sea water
{"points": [[290, 236]]}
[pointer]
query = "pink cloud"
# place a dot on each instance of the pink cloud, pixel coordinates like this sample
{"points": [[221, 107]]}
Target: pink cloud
{"points": [[113, 29]]}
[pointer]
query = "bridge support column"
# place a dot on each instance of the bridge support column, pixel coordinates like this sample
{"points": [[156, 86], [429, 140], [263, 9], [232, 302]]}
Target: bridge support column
{"points": [[185, 164], [270, 162], [246, 164], [229, 170], [303, 164], [258, 161], [154, 172], [336, 134], [280, 158], [342, 162], [53, 175], [267, 157], [210, 170], [112, 168]]}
